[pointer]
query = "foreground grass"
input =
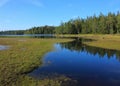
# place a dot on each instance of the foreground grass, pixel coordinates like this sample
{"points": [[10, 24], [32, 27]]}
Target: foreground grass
{"points": [[100, 40], [23, 55]]}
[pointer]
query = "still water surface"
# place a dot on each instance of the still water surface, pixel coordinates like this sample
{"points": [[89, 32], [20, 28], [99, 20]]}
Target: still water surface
{"points": [[3, 47], [31, 35], [90, 66]]}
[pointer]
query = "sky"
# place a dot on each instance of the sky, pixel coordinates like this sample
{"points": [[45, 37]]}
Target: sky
{"points": [[24, 14]]}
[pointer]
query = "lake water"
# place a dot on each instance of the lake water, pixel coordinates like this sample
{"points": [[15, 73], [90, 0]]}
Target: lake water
{"points": [[2, 47], [89, 66], [32, 35]]}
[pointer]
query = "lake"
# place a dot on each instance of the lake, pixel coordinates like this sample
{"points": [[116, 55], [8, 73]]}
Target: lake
{"points": [[89, 66], [31, 35], [3, 47]]}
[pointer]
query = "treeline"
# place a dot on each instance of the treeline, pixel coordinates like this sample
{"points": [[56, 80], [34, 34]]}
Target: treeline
{"points": [[12, 32], [102, 24], [34, 30], [41, 30]]}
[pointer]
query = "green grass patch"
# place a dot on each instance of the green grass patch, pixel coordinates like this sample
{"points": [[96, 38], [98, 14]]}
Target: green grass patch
{"points": [[23, 55], [100, 40]]}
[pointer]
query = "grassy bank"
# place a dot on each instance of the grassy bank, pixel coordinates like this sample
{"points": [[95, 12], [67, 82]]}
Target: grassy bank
{"points": [[105, 41], [23, 55], [100, 40]]}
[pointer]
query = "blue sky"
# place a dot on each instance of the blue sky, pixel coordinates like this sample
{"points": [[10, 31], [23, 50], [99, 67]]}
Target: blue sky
{"points": [[23, 14]]}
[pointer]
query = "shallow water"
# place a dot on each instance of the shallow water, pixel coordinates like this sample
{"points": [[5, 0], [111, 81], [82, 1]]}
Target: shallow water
{"points": [[89, 66], [2, 47], [31, 35]]}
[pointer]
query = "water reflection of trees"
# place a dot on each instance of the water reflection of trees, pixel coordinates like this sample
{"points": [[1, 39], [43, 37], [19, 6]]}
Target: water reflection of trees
{"points": [[77, 45]]}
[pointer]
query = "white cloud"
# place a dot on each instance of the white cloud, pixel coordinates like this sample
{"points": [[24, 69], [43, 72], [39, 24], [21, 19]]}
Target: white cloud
{"points": [[3, 2], [37, 3]]}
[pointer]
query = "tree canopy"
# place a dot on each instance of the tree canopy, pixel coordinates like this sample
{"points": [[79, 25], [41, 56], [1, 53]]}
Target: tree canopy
{"points": [[102, 24]]}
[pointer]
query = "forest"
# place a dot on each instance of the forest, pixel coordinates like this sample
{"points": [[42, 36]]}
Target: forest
{"points": [[34, 30], [102, 24], [12, 32], [41, 30]]}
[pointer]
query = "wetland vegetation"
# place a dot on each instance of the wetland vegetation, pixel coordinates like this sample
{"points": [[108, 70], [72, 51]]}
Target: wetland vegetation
{"points": [[25, 54], [27, 58], [86, 64], [21, 58], [59, 43]]}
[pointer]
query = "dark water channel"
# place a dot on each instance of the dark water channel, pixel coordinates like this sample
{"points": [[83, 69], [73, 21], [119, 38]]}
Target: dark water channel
{"points": [[90, 66]]}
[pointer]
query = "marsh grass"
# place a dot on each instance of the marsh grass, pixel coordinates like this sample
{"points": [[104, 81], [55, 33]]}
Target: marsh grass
{"points": [[25, 54], [21, 58], [99, 40], [105, 41]]}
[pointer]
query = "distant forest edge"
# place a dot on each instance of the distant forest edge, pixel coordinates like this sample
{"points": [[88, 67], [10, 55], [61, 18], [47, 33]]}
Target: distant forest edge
{"points": [[102, 24], [34, 30]]}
